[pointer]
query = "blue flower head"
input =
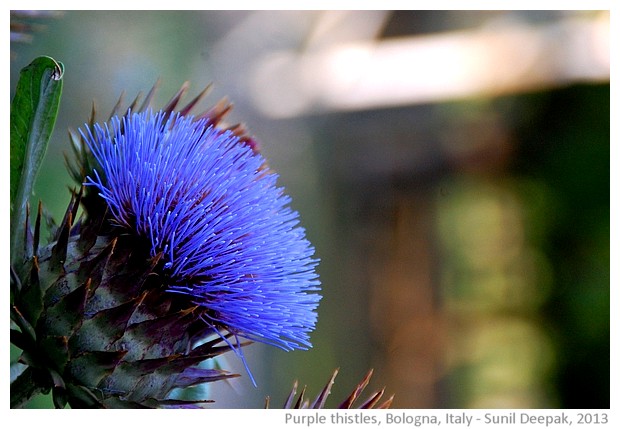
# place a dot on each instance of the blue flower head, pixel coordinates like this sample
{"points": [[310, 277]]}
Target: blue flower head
{"points": [[210, 208]]}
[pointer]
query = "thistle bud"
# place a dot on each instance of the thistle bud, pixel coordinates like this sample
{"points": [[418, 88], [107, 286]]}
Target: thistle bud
{"points": [[184, 247]]}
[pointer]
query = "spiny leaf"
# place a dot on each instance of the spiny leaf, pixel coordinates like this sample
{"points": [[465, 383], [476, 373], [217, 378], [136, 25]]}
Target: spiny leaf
{"points": [[300, 401], [56, 351], [290, 398], [386, 404], [124, 273], [82, 397], [25, 327], [91, 367], [373, 400], [176, 98], [30, 301], [211, 348], [156, 338], [193, 376], [149, 98], [319, 402], [321, 399], [356, 392], [105, 327], [33, 115], [187, 109], [64, 317], [59, 251]]}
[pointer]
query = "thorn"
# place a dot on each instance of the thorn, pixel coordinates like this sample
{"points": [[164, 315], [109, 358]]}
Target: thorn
{"points": [[149, 96], [34, 271], [95, 267], [117, 106], [93, 114], [72, 167], [26, 328], [59, 251], [291, 396], [132, 106], [299, 402], [175, 99], [319, 402], [216, 113], [387, 403], [348, 403], [31, 294], [76, 201], [372, 400], [196, 100]]}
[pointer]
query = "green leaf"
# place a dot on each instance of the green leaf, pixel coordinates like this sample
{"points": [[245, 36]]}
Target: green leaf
{"points": [[33, 115]]}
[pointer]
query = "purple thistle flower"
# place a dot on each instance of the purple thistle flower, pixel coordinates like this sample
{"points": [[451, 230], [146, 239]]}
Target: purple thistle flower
{"points": [[208, 205]]}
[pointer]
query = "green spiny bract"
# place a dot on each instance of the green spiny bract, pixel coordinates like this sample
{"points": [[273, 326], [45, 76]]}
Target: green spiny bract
{"points": [[95, 326], [91, 315]]}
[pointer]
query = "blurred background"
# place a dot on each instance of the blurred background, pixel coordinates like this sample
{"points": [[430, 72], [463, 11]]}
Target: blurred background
{"points": [[452, 169]]}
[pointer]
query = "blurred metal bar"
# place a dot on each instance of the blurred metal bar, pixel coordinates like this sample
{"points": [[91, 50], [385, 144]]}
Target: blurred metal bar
{"points": [[494, 61]]}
